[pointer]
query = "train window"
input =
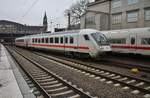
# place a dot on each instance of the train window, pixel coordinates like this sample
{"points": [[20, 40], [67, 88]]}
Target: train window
{"points": [[42, 40], [51, 40], [145, 41], [35, 40], [61, 40], [46, 40], [71, 40], [56, 40], [32, 40], [132, 40], [66, 39], [118, 41], [86, 37]]}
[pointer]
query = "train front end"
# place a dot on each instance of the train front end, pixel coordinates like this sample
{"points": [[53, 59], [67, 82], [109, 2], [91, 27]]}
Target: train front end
{"points": [[102, 44]]}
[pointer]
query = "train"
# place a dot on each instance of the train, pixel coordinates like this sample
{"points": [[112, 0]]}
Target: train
{"points": [[82, 43], [130, 41]]}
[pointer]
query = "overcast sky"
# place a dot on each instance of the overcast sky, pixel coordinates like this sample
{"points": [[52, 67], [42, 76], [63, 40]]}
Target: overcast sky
{"points": [[31, 12]]}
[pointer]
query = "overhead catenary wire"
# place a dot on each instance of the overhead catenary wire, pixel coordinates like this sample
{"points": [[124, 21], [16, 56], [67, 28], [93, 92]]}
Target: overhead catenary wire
{"points": [[29, 9], [6, 15]]}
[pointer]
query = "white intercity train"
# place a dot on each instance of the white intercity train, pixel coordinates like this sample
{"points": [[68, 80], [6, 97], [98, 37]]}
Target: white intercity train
{"points": [[135, 41], [84, 42]]}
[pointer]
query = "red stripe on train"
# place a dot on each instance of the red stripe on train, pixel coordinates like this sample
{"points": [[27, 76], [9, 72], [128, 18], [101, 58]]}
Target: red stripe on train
{"points": [[131, 47], [61, 46]]}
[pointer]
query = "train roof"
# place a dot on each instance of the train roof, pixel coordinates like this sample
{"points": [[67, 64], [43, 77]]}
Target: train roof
{"points": [[82, 31], [56, 33]]}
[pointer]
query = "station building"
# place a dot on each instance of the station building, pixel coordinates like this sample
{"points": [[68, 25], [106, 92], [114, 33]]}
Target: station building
{"points": [[116, 14], [9, 30]]}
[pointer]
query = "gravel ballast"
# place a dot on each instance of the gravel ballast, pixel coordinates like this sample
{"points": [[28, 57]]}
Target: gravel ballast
{"points": [[90, 84]]}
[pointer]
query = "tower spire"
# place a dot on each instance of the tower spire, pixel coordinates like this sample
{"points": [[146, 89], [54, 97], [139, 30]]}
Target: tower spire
{"points": [[45, 23]]}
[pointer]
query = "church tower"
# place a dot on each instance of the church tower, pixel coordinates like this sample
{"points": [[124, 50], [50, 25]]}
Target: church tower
{"points": [[45, 24]]}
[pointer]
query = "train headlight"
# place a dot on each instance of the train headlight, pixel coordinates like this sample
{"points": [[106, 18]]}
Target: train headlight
{"points": [[101, 47]]}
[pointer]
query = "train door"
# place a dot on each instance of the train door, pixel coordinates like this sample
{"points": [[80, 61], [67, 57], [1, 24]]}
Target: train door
{"points": [[133, 42], [26, 42], [71, 44], [62, 41], [75, 42], [66, 44]]}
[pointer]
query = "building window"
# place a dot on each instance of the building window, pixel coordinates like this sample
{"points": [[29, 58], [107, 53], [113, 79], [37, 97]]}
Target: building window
{"points": [[132, 16], [9, 26], [90, 20], [71, 40], [145, 41], [147, 14], [132, 2], [116, 3], [116, 18]]}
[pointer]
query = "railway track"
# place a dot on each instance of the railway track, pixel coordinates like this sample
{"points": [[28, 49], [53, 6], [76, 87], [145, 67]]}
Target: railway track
{"points": [[125, 65], [138, 86], [111, 63], [50, 84], [91, 63]]}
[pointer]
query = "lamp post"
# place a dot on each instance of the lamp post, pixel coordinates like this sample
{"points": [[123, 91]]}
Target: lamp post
{"points": [[68, 20], [68, 14]]}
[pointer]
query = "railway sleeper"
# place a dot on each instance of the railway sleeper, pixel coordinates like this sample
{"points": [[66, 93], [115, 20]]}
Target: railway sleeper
{"points": [[147, 88], [42, 78], [53, 86], [140, 84], [64, 94], [45, 80], [36, 69], [49, 83], [58, 90], [43, 73], [75, 96], [130, 81], [123, 79]]}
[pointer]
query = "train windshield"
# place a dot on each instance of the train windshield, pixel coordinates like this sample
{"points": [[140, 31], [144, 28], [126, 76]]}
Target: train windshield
{"points": [[100, 38]]}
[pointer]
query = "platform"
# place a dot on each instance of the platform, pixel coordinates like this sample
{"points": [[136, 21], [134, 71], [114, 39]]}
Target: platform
{"points": [[12, 84]]}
